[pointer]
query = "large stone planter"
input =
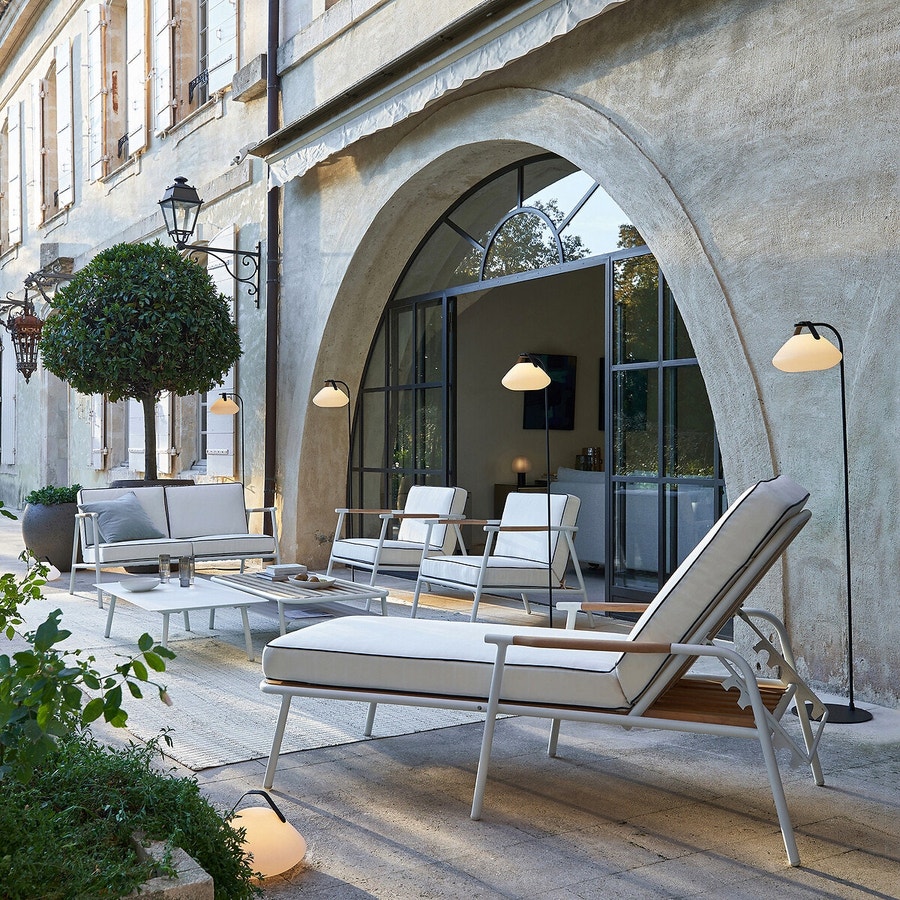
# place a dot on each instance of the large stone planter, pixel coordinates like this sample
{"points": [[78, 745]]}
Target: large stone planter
{"points": [[48, 532]]}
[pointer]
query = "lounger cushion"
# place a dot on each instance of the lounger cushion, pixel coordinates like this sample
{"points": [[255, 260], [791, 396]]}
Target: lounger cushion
{"points": [[698, 597], [444, 659], [123, 519]]}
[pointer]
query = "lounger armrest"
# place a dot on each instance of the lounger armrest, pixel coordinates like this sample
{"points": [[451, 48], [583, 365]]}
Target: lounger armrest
{"points": [[449, 520], [498, 527], [586, 644], [360, 512], [429, 518]]}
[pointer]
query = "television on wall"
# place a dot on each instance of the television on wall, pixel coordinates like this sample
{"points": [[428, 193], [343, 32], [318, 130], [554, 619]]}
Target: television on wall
{"points": [[560, 395]]}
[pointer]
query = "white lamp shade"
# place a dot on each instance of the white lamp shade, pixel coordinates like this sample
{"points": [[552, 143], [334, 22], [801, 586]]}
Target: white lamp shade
{"points": [[331, 396], [274, 846], [224, 406], [805, 353], [521, 464], [525, 376]]}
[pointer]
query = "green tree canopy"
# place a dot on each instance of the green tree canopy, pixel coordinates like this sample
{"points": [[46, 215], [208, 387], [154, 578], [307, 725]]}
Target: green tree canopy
{"points": [[139, 320]]}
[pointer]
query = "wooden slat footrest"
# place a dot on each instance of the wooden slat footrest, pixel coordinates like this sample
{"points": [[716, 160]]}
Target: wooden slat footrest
{"points": [[704, 700]]}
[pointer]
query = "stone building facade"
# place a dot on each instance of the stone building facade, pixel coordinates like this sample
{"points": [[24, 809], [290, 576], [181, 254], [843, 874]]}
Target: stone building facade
{"points": [[751, 144]]}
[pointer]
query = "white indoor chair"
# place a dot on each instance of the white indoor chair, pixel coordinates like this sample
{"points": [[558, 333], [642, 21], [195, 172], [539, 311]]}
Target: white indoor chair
{"points": [[404, 552], [515, 558]]}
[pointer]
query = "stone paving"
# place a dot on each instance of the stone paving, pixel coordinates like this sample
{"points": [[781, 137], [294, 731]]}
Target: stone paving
{"points": [[615, 815]]}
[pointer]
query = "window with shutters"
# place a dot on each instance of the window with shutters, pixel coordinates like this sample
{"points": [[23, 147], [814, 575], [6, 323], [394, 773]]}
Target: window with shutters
{"points": [[11, 178], [112, 117], [55, 143], [194, 55]]}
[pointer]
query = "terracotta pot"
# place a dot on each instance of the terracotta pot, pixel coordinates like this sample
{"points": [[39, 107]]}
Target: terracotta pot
{"points": [[48, 531]]}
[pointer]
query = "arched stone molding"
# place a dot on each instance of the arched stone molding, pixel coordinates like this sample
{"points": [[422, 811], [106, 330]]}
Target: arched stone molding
{"points": [[409, 186]]}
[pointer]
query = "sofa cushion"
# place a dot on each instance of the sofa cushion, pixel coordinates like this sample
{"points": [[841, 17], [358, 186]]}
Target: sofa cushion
{"points": [[219, 546], [206, 509], [136, 551], [152, 499], [122, 519], [362, 550], [444, 659]]}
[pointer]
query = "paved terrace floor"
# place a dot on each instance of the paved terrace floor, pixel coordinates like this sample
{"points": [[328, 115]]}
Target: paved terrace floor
{"points": [[616, 815]]}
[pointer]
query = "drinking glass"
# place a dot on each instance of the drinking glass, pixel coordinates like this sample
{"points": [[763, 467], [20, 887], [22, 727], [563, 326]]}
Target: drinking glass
{"points": [[165, 568], [186, 571]]}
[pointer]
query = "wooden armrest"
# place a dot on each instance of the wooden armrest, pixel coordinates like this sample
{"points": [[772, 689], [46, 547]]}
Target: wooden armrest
{"points": [[366, 511], [585, 644], [429, 516], [449, 520], [86, 515], [603, 606]]}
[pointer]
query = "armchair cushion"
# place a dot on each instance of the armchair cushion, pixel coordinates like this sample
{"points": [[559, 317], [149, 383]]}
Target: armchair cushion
{"points": [[123, 519]]}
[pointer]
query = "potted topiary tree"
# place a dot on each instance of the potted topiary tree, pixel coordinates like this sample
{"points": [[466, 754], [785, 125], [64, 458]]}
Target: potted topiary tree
{"points": [[48, 524], [136, 321]]}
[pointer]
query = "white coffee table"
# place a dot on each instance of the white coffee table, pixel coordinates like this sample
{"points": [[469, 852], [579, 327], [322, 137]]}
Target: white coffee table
{"points": [[292, 593], [172, 598]]}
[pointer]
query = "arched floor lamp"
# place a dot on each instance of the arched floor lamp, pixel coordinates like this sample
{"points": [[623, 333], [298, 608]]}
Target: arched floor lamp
{"points": [[808, 351], [225, 406], [332, 397], [529, 374]]}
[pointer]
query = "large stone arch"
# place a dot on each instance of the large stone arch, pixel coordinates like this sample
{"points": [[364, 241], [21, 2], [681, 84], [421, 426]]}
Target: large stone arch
{"points": [[410, 184]]}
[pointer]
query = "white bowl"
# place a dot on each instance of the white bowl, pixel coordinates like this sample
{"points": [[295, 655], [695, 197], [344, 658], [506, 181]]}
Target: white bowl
{"points": [[322, 581], [139, 585]]}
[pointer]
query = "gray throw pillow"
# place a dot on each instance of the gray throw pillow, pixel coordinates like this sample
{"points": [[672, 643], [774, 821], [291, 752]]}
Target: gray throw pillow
{"points": [[123, 519]]}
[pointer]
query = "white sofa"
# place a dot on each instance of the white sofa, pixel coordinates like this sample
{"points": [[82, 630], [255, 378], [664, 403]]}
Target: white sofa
{"points": [[133, 525], [590, 488]]}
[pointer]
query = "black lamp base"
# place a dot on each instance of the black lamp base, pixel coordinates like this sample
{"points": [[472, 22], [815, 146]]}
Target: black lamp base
{"points": [[842, 714]]}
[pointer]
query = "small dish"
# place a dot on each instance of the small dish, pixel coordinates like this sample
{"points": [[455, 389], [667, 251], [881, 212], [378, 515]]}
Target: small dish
{"points": [[140, 585], [322, 581]]}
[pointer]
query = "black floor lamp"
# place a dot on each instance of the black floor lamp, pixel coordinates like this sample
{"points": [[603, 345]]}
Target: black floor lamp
{"points": [[225, 406], [332, 397], [808, 351], [529, 374]]}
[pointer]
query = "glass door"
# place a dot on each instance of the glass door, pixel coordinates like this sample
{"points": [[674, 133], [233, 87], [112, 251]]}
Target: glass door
{"points": [[664, 472]]}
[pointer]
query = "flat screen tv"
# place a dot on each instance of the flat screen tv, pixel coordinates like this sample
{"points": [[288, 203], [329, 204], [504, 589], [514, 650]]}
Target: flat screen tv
{"points": [[560, 395]]}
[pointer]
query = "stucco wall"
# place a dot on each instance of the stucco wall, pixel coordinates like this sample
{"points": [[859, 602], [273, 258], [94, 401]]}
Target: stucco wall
{"points": [[751, 143]]}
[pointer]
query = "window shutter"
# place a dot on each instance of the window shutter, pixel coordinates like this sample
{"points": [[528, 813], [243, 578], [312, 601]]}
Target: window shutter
{"points": [[220, 430], [164, 437], [98, 431], [36, 174], [14, 182], [7, 401], [163, 91], [65, 144], [97, 86], [221, 43], [135, 435], [136, 78]]}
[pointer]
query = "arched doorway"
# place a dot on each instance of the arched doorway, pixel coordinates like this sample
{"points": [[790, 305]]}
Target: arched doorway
{"points": [[538, 257]]}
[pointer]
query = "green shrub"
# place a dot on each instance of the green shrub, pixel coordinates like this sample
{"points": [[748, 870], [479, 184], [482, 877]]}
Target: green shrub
{"points": [[52, 496], [66, 834]]}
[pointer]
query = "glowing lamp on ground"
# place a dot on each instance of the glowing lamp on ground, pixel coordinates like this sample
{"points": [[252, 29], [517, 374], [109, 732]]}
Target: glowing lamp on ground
{"points": [[271, 842]]}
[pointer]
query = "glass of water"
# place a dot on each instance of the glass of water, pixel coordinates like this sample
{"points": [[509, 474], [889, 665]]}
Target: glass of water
{"points": [[165, 568]]}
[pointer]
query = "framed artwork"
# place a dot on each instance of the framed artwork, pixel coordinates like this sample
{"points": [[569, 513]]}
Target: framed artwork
{"points": [[560, 395]]}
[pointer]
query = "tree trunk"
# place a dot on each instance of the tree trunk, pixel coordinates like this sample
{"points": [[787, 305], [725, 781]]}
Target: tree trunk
{"points": [[148, 402]]}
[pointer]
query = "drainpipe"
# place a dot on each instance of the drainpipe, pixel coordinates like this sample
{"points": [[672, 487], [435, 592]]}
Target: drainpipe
{"points": [[273, 242]]}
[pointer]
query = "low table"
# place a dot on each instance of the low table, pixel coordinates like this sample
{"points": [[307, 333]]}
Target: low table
{"points": [[172, 598], [292, 593]]}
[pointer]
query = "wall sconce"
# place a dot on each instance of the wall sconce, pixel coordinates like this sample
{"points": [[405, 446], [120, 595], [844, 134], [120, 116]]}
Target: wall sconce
{"points": [[225, 406], [273, 844], [180, 207], [807, 351], [521, 465]]}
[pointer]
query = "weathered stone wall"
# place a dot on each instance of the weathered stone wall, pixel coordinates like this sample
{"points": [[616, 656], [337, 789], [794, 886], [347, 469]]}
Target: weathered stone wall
{"points": [[752, 145]]}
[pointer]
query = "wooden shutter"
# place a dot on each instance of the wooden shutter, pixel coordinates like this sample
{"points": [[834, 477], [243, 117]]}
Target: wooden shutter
{"points": [[96, 94], [221, 43], [220, 430], [97, 417], [136, 78], [14, 180], [65, 142], [7, 400], [164, 436], [135, 435], [163, 65], [35, 175]]}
